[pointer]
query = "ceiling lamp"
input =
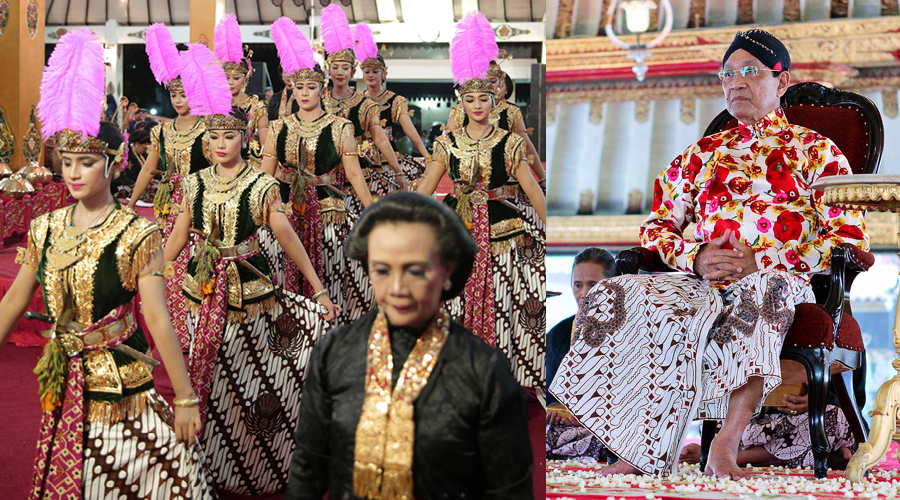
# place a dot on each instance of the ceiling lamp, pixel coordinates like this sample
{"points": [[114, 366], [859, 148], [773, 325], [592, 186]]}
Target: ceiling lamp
{"points": [[637, 22]]}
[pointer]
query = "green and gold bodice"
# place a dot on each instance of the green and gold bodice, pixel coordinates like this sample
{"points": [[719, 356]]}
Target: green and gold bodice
{"points": [[230, 210], [313, 149], [491, 161], [90, 272], [357, 108], [391, 107], [181, 151], [504, 115]]}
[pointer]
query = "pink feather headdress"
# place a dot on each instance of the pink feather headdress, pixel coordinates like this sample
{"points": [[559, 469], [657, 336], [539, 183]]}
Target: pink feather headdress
{"points": [[163, 55], [295, 52], [72, 86], [469, 55], [72, 96], [206, 88], [336, 35], [365, 48], [228, 46]]}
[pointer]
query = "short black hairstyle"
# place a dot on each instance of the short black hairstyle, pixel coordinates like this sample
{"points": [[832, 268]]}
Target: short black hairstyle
{"points": [[599, 256], [453, 239]]}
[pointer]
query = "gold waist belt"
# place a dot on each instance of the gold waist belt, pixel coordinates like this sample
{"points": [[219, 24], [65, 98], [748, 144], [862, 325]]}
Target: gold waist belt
{"points": [[240, 249], [478, 197], [109, 332]]}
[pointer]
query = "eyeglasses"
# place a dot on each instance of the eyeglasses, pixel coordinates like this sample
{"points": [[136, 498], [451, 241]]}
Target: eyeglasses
{"points": [[728, 74]]}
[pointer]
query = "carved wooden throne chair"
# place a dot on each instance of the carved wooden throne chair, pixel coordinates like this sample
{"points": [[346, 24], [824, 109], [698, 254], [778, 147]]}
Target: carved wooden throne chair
{"points": [[824, 337]]}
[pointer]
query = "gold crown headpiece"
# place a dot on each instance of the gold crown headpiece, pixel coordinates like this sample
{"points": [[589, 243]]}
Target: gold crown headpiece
{"points": [[477, 85], [224, 122], [175, 85], [307, 75], [373, 62], [343, 55], [240, 67], [74, 142], [494, 69]]}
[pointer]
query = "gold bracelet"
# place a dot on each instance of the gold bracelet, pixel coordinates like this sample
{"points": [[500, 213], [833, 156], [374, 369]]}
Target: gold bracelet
{"points": [[319, 294], [187, 402]]}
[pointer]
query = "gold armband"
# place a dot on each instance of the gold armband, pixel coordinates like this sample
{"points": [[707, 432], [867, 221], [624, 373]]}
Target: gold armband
{"points": [[411, 112], [20, 255], [270, 155], [529, 130], [319, 294], [529, 159], [167, 271]]}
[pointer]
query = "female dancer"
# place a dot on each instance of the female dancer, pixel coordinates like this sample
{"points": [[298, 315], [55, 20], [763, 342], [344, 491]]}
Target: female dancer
{"points": [[314, 153], [354, 106], [235, 59], [392, 108], [251, 342], [178, 148], [102, 417], [480, 159], [505, 115]]}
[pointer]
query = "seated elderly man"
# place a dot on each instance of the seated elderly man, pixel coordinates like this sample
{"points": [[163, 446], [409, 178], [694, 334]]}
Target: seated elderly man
{"points": [[653, 352]]}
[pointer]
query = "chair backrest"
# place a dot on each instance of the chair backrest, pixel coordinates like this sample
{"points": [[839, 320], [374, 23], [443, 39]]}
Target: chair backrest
{"points": [[850, 120]]}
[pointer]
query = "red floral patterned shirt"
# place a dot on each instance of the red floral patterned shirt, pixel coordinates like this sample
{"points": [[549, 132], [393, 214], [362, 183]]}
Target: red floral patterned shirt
{"points": [[754, 180]]}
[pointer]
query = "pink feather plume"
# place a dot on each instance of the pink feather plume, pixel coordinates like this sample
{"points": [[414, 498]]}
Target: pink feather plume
{"points": [[364, 42], [335, 29], [163, 55], [469, 57], [205, 85], [72, 85], [487, 35], [294, 49], [227, 40]]}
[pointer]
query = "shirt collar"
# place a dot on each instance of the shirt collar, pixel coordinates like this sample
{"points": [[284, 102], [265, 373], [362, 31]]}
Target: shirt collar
{"points": [[772, 124]]}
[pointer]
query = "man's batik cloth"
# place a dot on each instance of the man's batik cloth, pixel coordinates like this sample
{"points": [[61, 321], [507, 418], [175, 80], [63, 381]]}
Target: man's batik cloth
{"points": [[653, 352], [755, 181]]}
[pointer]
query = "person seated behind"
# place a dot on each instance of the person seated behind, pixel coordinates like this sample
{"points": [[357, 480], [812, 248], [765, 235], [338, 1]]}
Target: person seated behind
{"points": [[780, 436], [652, 352], [566, 438]]}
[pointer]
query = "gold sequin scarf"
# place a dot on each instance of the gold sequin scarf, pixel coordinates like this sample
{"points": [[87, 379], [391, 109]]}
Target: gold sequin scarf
{"points": [[382, 467]]}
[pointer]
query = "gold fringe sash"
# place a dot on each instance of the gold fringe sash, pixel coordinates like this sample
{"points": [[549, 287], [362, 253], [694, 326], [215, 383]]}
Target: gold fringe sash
{"points": [[109, 413], [382, 468]]}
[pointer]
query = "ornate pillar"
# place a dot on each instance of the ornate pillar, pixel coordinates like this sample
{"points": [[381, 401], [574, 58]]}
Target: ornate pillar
{"points": [[563, 19], [839, 8], [697, 16], [889, 8], [745, 12], [791, 13], [22, 60], [204, 16]]}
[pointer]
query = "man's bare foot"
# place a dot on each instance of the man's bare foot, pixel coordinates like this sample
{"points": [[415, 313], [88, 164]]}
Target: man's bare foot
{"points": [[722, 461], [620, 467], [690, 454]]}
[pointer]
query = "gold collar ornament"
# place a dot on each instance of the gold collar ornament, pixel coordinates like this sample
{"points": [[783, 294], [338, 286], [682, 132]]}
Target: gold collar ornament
{"points": [[383, 454]]}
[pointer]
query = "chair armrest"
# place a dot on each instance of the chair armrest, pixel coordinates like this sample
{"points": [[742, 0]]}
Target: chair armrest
{"points": [[640, 259], [858, 259]]}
